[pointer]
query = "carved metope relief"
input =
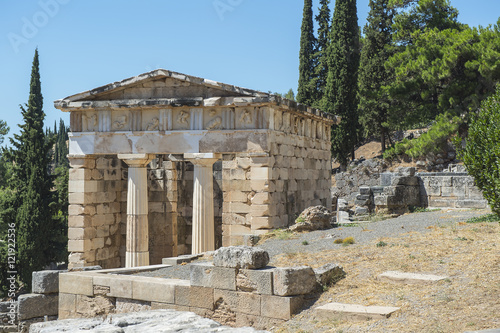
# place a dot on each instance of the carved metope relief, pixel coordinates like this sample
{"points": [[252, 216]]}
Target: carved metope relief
{"points": [[120, 122], [154, 125], [216, 121], [183, 120]]}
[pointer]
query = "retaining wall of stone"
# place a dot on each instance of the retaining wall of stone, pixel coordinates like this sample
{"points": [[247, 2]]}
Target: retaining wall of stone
{"points": [[260, 298]]}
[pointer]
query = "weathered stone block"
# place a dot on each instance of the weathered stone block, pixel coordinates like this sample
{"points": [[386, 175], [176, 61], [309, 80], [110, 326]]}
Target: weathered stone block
{"points": [[37, 305], [256, 281], [74, 283], [329, 274], [45, 282], [208, 275], [290, 281], [280, 307], [241, 257], [67, 305], [153, 289], [249, 303], [124, 305], [201, 297], [119, 286]]}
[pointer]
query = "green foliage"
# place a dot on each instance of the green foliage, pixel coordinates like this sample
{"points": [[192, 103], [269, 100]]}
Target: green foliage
{"points": [[374, 102], [431, 142], [300, 219], [443, 71], [340, 97], [307, 90], [484, 218], [338, 241], [31, 185], [290, 95], [381, 244], [4, 129], [305, 242], [321, 54], [419, 15], [481, 154]]}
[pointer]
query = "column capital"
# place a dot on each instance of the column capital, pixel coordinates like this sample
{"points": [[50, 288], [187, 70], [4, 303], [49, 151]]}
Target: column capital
{"points": [[202, 159], [136, 160]]}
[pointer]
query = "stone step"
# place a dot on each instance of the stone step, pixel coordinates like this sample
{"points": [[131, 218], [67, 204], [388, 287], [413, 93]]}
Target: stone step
{"points": [[354, 311], [409, 278], [185, 258]]}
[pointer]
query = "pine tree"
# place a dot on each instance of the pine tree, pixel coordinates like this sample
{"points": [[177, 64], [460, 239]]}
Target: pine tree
{"points": [[307, 86], [340, 96], [32, 182], [374, 102], [323, 19]]}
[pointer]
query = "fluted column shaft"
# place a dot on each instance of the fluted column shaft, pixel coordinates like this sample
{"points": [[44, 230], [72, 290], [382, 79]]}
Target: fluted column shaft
{"points": [[137, 252], [203, 236]]}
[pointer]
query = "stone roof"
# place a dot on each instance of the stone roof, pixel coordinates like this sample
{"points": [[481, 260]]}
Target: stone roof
{"points": [[212, 93]]}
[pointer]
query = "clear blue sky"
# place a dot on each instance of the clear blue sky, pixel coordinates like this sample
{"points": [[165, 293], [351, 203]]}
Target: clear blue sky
{"points": [[86, 44]]}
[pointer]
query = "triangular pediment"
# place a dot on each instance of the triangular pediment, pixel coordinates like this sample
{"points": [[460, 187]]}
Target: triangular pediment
{"points": [[163, 84]]}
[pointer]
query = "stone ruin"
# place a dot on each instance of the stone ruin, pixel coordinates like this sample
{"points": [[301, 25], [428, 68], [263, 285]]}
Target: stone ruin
{"points": [[165, 164]]}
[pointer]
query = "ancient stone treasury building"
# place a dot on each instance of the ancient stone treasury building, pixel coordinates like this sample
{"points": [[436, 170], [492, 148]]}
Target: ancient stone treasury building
{"points": [[165, 164]]}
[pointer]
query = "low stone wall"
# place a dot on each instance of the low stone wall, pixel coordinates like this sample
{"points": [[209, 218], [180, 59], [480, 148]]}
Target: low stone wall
{"points": [[450, 190], [401, 190], [236, 295]]}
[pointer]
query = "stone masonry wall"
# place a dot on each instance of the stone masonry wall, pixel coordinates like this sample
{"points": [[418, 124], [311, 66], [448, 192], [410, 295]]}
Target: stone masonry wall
{"points": [[95, 197], [265, 191]]}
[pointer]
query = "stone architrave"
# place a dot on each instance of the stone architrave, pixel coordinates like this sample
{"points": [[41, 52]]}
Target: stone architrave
{"points": [[203, 202], [137, 253]]}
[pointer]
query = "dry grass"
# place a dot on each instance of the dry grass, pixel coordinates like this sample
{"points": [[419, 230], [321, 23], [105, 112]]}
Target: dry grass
{"points": [[469, 300]]}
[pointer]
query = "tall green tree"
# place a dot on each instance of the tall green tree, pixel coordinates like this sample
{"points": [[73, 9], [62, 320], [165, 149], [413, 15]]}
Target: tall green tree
{"points": [[419, 15], [377, 48], [340, 96], [31, 159], [321, 71], [307, 87], [444, 71]]}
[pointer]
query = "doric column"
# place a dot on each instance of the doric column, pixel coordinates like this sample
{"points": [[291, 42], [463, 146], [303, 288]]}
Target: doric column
{"points": [[203, 237], [137, 209]]}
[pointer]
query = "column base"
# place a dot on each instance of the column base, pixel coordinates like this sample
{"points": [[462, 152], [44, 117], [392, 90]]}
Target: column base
{"points": [[135, 259]]}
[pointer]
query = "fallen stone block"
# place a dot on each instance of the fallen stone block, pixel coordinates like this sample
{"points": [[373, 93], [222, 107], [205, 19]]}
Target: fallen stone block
{"points": [[409, 278], [37, 305], [329, 274], [291, 281], [354, 311], [45, 282], [238, 257]]}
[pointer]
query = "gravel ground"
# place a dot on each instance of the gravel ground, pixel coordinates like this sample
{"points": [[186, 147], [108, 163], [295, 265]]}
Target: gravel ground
{"points": [[365, 232], [322, 240]]}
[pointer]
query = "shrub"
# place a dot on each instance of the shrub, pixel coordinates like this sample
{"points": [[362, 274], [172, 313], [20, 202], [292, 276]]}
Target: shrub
{"points": [[338, 241], [481, 153], [348, 240]]}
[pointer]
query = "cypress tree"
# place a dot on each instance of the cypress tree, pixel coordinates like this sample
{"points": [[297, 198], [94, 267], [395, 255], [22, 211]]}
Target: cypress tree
{"points": [[323, 19], [32, 182], [307, 90], [374, 102], [340, 96]]}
